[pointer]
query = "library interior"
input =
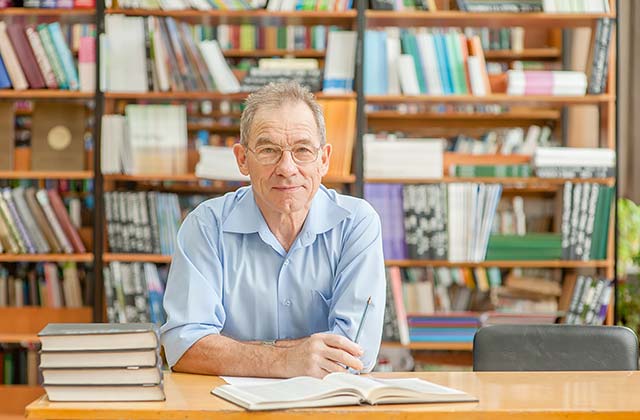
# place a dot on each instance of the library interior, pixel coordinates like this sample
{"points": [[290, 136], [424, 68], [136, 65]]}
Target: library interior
{"points": [[403, 202]]}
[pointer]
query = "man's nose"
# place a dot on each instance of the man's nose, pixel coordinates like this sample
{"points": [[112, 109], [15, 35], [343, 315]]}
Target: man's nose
{"points": [[286, 165]]}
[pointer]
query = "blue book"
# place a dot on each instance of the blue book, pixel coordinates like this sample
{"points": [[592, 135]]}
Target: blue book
{"points": [[445, 75], [375, 63], [5, 82], [63, 51]]}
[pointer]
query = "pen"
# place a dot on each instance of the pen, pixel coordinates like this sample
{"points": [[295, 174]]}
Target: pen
{"points": [[364, 315]]}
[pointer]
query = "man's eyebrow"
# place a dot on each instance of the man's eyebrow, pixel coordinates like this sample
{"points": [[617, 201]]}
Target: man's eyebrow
{"points": [[265, 140]]}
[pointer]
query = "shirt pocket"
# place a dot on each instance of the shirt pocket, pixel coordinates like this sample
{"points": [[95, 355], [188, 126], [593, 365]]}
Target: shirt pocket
{"points": [[320, 311]]}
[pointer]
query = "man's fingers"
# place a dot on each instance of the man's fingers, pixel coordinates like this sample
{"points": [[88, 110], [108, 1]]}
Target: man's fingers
{"points": [[340, 342], [331, 366], [341, 356]]}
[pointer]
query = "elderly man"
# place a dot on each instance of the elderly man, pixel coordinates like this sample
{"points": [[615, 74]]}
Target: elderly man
{"points": [[272, 279]]}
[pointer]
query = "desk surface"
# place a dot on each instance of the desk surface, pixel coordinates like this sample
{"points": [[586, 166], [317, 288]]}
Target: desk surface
{"points": [[502, 395]]}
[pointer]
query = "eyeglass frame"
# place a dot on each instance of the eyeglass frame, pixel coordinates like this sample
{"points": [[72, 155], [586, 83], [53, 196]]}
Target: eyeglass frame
{"points": [[290, 149]]}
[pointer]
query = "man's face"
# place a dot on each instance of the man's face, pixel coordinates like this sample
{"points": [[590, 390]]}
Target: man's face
{"points": [[285, 186]]}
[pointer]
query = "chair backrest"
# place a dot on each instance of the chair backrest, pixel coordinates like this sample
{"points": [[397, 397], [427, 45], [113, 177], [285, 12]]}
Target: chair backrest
{"points": [[554, 347]]}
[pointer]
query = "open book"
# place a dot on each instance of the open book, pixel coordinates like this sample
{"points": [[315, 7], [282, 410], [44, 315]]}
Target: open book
{"points": [[337, 389]]}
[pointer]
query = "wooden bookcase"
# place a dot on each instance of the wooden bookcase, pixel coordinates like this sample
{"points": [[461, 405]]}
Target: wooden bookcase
{"points": [[525, 110], [530, 110], [21, 325]]}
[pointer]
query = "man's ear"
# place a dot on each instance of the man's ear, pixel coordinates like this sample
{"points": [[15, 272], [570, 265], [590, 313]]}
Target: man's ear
{"points": [[241, 158], [325, 157]]}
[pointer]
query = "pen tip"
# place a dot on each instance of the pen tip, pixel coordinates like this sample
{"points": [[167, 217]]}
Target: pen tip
{"points": [[369, 300]]}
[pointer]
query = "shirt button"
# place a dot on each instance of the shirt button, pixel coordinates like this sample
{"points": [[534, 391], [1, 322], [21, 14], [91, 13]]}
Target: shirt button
{"points": [[286, 262], [287, 302]]}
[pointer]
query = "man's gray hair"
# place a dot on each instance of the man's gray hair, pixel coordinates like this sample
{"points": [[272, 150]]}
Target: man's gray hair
{"points": [[274, 96]]}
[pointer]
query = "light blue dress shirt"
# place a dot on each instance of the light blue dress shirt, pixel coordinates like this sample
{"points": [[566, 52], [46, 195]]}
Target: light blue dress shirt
{"points": [[231, 276]]}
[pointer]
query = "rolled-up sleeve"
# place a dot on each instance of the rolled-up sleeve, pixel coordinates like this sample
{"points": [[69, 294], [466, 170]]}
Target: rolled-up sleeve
{"points": [[360, 274], [193, 295]]}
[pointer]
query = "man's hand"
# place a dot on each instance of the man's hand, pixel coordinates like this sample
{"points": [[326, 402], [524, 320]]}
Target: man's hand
{"points": [[321, 354]]}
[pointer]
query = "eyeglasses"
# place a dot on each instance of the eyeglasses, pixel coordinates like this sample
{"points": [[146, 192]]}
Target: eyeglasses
{"points": [[270, 155]]}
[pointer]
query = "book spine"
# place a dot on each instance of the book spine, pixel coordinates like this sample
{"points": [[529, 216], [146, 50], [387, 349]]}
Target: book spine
{"points": [[43, 199], [25, 56], [52, 55], [10, 60], [41, 57], [63, 51]]}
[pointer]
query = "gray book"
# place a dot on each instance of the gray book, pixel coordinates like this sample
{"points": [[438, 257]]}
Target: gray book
{"points": [[98, 336]]}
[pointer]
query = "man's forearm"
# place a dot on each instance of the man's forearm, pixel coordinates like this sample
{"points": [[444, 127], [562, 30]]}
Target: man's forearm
{"points": [[219, 355]]}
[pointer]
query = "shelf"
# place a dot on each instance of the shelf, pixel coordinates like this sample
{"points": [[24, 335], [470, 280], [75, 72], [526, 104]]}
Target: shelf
{"points": [[18, 338], [86, 257], [39, 12], [497, 98], [44, 94], [453, 346], [15, 398], [25, 322], [347, 179], [201, 95], [46, 175], [152, 258], [524, 183], [526, 54], [307, 53], [501, 264], [263, 17], [379, 18], [532, 114]]}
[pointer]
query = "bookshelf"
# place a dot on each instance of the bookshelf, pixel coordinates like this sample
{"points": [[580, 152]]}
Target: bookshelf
{"points": [[524, 110], [19, 325]]}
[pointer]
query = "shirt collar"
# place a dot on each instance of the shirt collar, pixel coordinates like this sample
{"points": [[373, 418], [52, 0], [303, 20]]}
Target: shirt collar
{"points": [[324, 214]]}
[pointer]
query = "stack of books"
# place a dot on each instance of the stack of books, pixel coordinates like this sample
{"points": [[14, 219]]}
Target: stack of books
{"points": [[101, 362], [573, 162]]}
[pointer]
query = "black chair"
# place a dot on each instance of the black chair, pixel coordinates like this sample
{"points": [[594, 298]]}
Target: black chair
{"points": [[554, 347]]}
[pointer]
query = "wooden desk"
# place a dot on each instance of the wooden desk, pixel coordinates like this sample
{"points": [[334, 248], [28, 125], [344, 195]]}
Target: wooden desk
{"points": [[505, 395]]}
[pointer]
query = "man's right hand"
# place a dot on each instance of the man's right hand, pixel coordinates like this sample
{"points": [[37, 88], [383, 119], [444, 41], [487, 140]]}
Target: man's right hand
{"points": [[321, 354]]}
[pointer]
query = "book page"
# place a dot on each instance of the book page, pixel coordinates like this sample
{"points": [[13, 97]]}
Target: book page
{"points": [[295, 389], [363, 384], [375, 388]]}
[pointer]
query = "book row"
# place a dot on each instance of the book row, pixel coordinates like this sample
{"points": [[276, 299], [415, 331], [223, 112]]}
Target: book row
{"points": [[146, 139], [435, 222], [142, 222], [175, 56], [249, 37], [547, 6], [271, 5], [42, 56], [424, 61], [49, 4], [449, 61], [456, 222], [38, 222], [134, 292], [450, 304], [46, 285], [19, 365]]}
